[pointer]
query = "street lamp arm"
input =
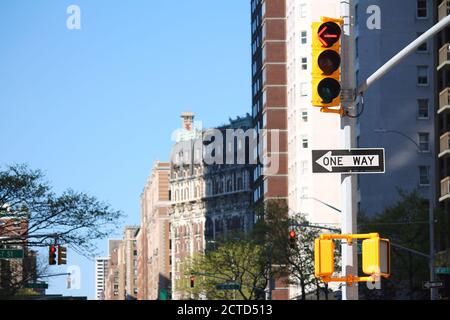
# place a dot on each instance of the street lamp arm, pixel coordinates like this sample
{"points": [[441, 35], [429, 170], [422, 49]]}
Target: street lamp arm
{"points": [[411, 250], [399, 133], [54, 275], [324, 203]]}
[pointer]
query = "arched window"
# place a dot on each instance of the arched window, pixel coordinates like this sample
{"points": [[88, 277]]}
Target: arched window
{"points": [[239, 183], [229, 186]]}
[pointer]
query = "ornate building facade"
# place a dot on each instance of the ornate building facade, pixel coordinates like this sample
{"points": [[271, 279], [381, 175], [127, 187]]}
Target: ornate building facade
{"points": [[208, 200]]}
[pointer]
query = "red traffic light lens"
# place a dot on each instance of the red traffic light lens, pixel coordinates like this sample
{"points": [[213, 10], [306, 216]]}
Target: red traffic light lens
{"points": [[292, 234], [329, 33], [52, 249]]}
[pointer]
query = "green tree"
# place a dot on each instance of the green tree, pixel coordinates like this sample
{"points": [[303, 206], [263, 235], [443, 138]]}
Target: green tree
{"points": [[72, 218], [405, 224], [237, 260], [272, 231]]}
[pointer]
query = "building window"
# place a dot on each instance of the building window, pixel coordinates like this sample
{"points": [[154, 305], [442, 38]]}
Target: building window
{"points": [[303, 89], [423, 109], [424, 46], [422, 75], [422, 9], [303, 9], [304, 63], [424, 172], [304, 37], [305, 115], [304, 193], [424, 142], [357, 47], [305, 142], [304, 167]]}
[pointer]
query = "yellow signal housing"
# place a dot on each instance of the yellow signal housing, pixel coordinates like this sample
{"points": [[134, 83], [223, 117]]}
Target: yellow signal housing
{"points": [[376, 257], [326, 62], [323, 258]]}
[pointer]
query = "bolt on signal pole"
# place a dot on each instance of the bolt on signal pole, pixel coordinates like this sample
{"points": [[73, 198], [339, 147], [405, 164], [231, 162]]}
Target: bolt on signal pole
{"points": [[349, 218]]}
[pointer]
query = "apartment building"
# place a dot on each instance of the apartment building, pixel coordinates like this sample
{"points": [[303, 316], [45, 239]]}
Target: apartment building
{"points": [[281, 65], [101, 272], [442, 131], [207, 200], [399, 109], [153, 238], [112, 282]]}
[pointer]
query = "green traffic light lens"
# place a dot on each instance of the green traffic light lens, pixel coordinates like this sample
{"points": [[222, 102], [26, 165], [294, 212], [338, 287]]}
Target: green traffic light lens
{"points": [[329, 89], [329, 61]]}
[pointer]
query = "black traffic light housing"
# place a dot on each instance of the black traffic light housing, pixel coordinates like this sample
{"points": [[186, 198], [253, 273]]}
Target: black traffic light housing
{"points": [[52, 255], [62, 255], [192, 279]]}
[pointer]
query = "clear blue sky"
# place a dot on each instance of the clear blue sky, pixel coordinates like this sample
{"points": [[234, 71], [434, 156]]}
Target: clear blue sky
{"points": [[94, 108]]}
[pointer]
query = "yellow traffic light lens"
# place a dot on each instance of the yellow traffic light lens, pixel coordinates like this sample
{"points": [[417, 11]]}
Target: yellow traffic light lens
{"points": [[329, 61], [329, 89], [329, 33]]}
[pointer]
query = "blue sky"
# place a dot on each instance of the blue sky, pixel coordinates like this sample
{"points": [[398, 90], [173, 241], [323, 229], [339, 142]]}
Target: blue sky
{"points": [[94, 108]]}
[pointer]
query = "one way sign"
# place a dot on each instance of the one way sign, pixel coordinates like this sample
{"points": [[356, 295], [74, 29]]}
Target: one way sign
{"points": [[357, 161]]}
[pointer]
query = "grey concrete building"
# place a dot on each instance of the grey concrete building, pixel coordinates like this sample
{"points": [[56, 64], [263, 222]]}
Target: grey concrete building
{"points": [[399, 109]]}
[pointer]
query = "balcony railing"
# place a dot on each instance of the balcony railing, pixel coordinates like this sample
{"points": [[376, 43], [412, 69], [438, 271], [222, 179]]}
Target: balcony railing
{"points": [[444, 55], [444, 99], [444, 9], [445, 189], [445, 144]]}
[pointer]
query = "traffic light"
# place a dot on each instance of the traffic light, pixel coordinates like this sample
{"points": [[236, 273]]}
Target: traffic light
{"points": [[192, 281], [376, 257], [62, 255], [326, 63], [323, 258], [52, 255], [292, 239]]}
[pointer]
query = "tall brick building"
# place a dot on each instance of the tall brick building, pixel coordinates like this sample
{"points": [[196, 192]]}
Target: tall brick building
{"points": [[269, 109], [153, 238]]}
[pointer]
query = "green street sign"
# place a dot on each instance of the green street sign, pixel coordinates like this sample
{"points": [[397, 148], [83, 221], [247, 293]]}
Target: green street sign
{"points": [[11, 254], [443, 270], [36, 285], [163, 294], [228, 286]]}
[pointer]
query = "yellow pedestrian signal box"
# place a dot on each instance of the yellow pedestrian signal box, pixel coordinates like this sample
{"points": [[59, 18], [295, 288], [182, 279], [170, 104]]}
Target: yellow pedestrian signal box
{"points": [[376, 257], [323, 258], [326, 63]]}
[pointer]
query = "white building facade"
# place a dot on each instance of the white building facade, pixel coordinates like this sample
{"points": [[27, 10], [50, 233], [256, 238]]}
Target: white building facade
{"points": [[101, 270], [308, 128]]}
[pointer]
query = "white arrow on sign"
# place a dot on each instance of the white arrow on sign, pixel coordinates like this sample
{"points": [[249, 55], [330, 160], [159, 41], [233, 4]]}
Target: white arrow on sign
{"points": [[328, 161]]}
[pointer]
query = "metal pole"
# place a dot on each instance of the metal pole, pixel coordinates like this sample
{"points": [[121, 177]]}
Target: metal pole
{"points": [[404, 53], [349, 252], [433, 291]]}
